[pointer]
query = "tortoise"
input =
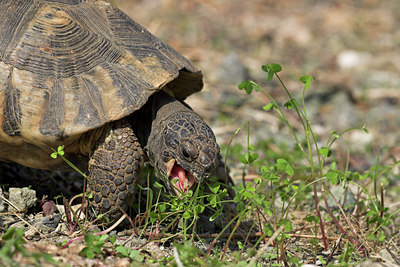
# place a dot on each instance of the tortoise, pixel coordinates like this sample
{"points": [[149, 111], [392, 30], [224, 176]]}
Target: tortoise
{"points": [[82, 74]]}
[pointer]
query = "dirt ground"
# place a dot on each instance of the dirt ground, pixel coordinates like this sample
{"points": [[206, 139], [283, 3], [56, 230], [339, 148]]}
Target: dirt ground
{"points": [[351, 48]]}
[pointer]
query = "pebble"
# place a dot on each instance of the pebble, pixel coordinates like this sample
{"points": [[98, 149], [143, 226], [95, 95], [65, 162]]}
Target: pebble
{"points": [[21, 198], [232, 70], [349, 59], [2, 207]]}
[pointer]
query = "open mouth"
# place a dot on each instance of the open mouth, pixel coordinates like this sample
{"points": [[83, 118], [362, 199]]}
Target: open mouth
{"points": [[181, 179]]}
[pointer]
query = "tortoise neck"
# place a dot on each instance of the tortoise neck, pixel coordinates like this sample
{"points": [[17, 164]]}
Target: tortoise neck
{"points": [[147, 122]]}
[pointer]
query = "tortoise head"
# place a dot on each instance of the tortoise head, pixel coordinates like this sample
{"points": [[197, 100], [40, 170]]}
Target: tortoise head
{"points": [[182, 147]]}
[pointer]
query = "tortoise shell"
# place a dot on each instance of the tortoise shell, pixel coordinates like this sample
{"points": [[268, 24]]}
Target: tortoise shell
{"points": [[71, 66]]}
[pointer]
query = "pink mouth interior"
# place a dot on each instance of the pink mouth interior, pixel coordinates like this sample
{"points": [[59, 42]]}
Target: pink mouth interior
{"points": [[183, 180]]}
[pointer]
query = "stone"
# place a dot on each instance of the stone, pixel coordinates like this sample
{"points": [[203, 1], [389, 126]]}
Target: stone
{"points": [[231, 70], [22, 199], [2, 207]]}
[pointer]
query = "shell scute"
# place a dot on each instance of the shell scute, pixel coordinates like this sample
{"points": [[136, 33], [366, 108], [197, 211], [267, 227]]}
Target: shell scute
{"points": [[68, 67]]}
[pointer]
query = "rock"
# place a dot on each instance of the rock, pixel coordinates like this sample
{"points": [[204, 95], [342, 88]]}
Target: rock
{"points": [[358, 140], [2, 207], [30, 233], [202, 245], [75, 208], [52, 221], [350, 59], [41, 224], [18, 224], [387, 256], [22, 198], [340, 194], [339, 112], [232, 70], [123, 262], [370, 263]]}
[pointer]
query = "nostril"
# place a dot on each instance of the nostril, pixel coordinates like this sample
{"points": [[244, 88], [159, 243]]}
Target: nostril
{"points": [[188, 151], [210, 168], [204, 160]]}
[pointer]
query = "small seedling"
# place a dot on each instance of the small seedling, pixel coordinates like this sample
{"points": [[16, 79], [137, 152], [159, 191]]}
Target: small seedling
{"points": [[94, 244], [127, 252], [12, 244]]}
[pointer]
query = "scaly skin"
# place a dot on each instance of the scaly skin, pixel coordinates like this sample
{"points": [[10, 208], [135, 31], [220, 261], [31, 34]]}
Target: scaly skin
{"points": [[114, 169], [176, 141], [174, 136]]}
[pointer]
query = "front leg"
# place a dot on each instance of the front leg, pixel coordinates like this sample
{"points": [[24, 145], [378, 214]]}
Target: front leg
{"points": [[114, 168]]}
